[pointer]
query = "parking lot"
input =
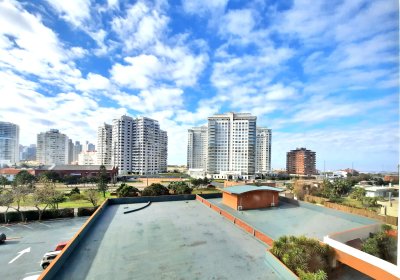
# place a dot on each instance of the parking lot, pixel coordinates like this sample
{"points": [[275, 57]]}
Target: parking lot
{"points": [[20, 257]]}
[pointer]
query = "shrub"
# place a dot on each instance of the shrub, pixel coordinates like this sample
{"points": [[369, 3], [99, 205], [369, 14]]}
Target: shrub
{"points": [[76, 196], [381, 245], [75, 191], [155, 190], [127, 191], [86, 211], [302, 255]]}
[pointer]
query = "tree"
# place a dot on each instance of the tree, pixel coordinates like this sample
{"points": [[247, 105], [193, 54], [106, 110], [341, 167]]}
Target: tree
{"points": [[102, 180], [50, 175], [125, 190], [299, 189], [303, 255], [71, 180], [92, 195], [370, 201], [6, 199], [24, 184], [75, 191], [381, 245], [155, 190], [358, 194], [179, 188], [3, 181]]}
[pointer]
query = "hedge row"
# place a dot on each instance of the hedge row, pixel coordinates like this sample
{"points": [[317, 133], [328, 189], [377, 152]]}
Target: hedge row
{"points": [[32, 215], [86, 211]]}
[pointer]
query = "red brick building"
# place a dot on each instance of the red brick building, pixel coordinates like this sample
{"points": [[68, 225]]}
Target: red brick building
{"points": [[250, 197], [301, 162]]}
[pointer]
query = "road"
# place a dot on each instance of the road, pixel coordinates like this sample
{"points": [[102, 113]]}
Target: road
{"points": [[21, 256]]}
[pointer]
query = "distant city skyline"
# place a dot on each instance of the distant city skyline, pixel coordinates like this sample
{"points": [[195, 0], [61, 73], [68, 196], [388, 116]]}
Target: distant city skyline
{"points": [[320, 74]]}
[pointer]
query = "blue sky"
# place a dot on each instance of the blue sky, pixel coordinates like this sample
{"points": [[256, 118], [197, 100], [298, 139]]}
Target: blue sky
{"points": [[320, 74]]}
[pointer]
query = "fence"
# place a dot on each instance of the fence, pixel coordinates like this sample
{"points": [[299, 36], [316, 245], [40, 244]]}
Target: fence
{"points": [[353, 210]]}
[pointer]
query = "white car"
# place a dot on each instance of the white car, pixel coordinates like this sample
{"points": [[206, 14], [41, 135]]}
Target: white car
{"points": [[48, 258]]}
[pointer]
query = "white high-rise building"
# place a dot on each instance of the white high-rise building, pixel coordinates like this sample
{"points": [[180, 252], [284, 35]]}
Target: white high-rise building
{"points": [[163, 151], [231, 146], [138, 146], [77, 150], [87, 158], [9, 143], [52, 148], [263, 150], [197, 148], [104, 144]]}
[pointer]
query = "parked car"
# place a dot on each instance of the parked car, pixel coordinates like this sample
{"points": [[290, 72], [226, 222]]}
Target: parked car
{"points": [[48, 258], [2, 238], [61, 246]]}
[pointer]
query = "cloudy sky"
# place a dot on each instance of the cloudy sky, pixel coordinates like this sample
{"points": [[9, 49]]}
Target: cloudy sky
{"points": [[320, 74]]}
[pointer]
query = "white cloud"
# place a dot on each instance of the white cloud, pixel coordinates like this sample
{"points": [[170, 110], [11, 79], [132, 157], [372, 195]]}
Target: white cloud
{"points": [[141, 27], [93, 82], [205, 6], [76, 115], [74, 12], [238, 22], [150, 100], [32, 48], [139, 73]]}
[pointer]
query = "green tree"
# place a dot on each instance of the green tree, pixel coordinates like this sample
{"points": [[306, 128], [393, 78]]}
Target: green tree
{"points": [[102, 180], [75, 190], [302, 254], [370, 201], [23, 184], [125, 190], [50, 175], [92, 195], [6, 200], [155, 190], [3, 181], [179, 188], [358, 194], [381, 245]]}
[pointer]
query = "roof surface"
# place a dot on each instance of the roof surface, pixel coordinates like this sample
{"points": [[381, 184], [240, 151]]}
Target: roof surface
{"points": [[246, 188], [167, 240]]}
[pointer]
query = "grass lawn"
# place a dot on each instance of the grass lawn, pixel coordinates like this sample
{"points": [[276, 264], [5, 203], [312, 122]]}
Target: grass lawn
{"points": [[203, 191]]}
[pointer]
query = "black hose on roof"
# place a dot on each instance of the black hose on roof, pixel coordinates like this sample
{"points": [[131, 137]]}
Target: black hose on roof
{"points": [[137, 209]]}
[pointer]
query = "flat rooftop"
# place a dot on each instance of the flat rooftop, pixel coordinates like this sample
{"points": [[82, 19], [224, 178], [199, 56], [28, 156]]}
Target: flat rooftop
{"points": [[288, 219], [167, 240]]}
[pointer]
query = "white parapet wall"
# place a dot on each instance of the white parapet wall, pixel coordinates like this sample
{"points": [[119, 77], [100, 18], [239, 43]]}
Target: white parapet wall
{"points": [[361, 232], [371, 263]]}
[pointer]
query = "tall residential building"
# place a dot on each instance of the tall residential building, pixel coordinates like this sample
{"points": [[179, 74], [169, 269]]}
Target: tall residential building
{"points": [[52, 147], [231, 145], [104, 144], [89, 147], [77, 150], [9, 143], [29, 153], [87, 158], [197, 148], [163, 151], [138, 146], [70, 151], [301, 162], [263, 150]]}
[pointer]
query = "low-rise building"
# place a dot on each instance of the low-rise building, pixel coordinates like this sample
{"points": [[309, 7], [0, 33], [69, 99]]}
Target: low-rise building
{"points": [[250, 197], [379, 191]]}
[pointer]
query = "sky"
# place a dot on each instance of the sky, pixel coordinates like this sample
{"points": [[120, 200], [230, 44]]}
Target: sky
{"points": [[321, 74]]}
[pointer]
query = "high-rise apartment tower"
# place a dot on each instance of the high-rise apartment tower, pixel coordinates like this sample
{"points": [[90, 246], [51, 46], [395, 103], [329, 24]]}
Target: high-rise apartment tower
{"points": [[52, 147], [104, 144], [9, 143], [301, 162]]}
